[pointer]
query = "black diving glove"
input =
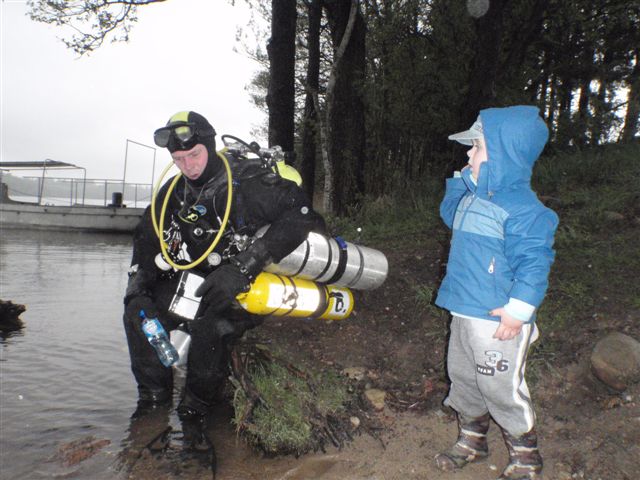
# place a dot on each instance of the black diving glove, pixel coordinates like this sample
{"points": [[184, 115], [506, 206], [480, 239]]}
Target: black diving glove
{"points": [[220, 288], [135, 304]]}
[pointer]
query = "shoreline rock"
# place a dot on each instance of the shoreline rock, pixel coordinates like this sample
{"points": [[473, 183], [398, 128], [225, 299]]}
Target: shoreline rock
{"points": [[10, 316], [615, 361]]}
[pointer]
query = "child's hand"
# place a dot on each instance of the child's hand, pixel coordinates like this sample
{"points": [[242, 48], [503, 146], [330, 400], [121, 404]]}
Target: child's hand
{"points": [[509, 326]]}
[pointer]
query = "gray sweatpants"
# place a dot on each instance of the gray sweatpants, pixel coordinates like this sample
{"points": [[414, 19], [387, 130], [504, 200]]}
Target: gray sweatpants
{"points": [[487, 375]]}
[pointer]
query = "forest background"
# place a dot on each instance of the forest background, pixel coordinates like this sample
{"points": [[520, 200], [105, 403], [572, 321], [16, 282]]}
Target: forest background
{"points": [[365, 92]]}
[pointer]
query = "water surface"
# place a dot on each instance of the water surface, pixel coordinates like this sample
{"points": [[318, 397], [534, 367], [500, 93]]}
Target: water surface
{"points": [[66, 376]]}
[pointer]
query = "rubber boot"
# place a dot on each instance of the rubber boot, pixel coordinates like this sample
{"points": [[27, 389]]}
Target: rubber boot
{"points": [[192, 413], [149, 400], [525, 462], [471, 445], [194, 434], [196, 444]]}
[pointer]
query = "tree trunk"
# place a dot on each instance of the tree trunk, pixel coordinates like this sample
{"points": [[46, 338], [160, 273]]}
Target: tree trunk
{"points": [[565, 130], [530, 29], [583, 114], [543, 91], [310, 126], [281, 92], [587, 70], [552, 106], [482, 84], [633, 106], [597, 126], [345, 106], [582, 125], [600, 105]]}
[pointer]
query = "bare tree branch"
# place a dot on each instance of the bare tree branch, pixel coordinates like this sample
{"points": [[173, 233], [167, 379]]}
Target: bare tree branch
{"points": [[93, 20]]}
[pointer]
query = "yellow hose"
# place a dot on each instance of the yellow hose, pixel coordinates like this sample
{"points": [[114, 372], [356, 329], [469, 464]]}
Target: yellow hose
{"points": [[159, 226]]}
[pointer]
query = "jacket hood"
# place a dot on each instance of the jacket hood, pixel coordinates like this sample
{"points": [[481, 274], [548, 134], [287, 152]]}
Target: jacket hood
{"points": [[515, 137]]}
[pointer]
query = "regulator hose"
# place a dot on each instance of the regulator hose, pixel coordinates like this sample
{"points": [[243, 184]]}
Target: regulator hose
{"points": [[158, 226]]}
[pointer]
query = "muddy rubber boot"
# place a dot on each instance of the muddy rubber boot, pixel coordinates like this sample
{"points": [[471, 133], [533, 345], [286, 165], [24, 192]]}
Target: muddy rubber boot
{"points": [[471, 445], [194, 449], [150, 400], [194, 434], [525, 462], [192, 413]]}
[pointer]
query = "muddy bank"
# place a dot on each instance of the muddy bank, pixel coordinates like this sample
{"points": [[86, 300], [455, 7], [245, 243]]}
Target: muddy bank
{"points": [[399, 340]]}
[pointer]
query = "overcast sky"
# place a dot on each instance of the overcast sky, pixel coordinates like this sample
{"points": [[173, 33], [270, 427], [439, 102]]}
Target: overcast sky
{"points": [[82, 110]]}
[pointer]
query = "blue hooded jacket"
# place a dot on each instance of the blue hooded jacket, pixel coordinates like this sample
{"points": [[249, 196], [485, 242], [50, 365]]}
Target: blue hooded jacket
{"points": [[501, 245]]}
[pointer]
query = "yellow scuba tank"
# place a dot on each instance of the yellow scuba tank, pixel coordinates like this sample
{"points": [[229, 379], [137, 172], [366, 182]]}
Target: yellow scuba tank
{"points": [[281, 296]]}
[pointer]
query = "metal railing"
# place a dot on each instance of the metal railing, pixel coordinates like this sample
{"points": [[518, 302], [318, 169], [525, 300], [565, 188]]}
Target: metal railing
{"points": [[79, 191]]}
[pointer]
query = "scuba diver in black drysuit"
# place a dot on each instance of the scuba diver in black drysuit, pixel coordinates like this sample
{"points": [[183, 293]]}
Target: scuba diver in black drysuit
{"points": [[192, 219]]}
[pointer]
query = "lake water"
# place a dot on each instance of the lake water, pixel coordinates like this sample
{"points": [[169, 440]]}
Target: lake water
{"points": [[66, 376]]}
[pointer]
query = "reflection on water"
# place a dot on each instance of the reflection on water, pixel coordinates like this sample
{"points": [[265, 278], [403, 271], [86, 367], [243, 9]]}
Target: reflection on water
{"points": [[65, 377]]}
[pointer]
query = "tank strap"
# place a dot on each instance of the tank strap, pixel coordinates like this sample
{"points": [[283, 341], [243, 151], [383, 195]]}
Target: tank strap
{"points": [[323, 302], [295, 293], [356, 279], [306, 258], [329, 259], [342, 261]]}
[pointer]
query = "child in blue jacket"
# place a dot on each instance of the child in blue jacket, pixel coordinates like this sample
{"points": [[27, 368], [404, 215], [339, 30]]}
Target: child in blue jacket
{"points": [[497, 275]]}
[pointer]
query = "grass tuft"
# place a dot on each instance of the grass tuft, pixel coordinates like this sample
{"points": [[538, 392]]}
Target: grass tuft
{"points": [[292, 407]]}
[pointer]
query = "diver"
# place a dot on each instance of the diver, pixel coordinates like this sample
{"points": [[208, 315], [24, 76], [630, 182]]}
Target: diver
{"points": [[189, 222]]}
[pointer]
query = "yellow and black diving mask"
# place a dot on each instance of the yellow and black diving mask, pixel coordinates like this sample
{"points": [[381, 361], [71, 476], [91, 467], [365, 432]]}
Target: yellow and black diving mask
{"points": [[185, 130], [177, 136]]}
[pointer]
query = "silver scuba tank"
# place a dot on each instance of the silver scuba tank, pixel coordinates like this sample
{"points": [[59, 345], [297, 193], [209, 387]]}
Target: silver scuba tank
{"points": [[333, 261]]}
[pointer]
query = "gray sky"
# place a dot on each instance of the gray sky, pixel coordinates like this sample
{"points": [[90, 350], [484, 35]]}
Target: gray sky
{"points": [[82, 110]]}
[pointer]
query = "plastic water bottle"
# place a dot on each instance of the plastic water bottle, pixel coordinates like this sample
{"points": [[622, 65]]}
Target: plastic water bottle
{"points": [[159, 339]]}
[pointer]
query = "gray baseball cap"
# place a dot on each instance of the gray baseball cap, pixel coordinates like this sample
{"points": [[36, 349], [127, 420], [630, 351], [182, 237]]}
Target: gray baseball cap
{"points": [[467, 137]]}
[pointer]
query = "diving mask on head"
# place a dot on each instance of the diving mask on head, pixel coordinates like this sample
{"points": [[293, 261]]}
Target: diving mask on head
{"points": [[181, 135]]}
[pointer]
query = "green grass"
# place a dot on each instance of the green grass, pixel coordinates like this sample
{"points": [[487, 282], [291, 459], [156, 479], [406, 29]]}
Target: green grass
{"points": [[596, 194], [394, 217], [279, 422], [425, 296], [284, 421]]}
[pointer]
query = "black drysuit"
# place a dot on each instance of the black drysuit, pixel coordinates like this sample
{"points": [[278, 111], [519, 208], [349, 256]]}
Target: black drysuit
{"points": [[260, 197]]}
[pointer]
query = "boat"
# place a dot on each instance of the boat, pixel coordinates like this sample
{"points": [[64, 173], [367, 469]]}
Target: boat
{"points": [[114, 217]]}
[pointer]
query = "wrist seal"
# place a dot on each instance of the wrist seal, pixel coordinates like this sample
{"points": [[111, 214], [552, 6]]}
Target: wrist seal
{"points": [[253, 260]]}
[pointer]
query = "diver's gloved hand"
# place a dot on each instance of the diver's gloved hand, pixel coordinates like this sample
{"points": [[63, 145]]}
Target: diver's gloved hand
{"points": [[220, 288], [253, 260], [135, 304]]}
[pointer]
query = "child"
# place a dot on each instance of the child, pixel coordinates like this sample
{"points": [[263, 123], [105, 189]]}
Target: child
{"points": [[501, 253]]}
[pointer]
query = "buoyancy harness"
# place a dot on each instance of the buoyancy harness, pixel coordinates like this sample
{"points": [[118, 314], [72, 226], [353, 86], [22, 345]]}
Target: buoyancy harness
{"points": [[267, 163]]}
